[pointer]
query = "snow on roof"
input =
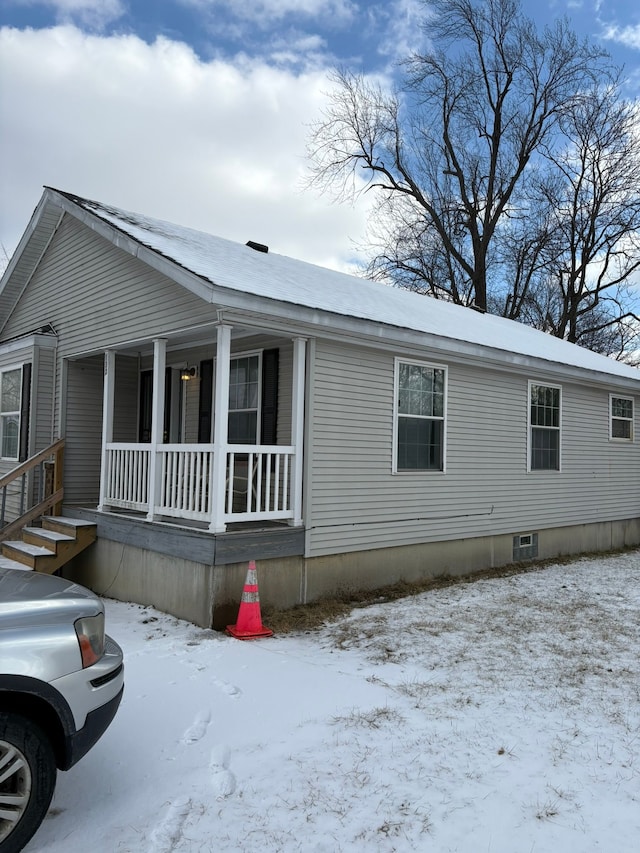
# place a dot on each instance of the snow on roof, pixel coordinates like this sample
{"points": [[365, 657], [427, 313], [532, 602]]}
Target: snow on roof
{"points": [[239, 267]]}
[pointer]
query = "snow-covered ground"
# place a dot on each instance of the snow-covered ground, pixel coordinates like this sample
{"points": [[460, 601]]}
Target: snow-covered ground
{"points": [[499, 716]]}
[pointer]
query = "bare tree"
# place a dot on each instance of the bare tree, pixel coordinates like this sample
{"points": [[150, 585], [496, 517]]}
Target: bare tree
{"points": [[594, 208], [460, 157], [4, 259]]}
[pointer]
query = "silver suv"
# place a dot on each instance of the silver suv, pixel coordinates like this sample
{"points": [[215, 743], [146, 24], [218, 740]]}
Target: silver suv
{"points": [[61, 681]]}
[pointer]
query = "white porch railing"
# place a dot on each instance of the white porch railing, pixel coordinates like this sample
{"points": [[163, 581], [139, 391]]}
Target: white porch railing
{"points": [[126, 478], [257, 484]]}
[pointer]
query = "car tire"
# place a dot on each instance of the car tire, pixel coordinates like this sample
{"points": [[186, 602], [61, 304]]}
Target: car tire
{"points": [[27, 780]]}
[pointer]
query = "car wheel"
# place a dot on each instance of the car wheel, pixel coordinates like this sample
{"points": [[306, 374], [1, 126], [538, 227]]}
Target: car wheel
{"points": [[27, 779]]}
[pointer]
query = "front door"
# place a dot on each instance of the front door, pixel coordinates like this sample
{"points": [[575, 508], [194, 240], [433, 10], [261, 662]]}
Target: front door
{"points": [[173, 406]]}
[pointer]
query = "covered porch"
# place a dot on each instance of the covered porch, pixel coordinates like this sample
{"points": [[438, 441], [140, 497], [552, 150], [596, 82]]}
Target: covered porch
{"points": [[233, 475]]}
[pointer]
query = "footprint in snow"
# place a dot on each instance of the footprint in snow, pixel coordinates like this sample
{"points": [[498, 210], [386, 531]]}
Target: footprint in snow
{"points": [[222, 779], [229, 689], [198, 728], [168, 832]]}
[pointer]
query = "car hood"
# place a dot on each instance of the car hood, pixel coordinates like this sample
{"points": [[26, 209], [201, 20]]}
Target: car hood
{"points": [[28, 592]]}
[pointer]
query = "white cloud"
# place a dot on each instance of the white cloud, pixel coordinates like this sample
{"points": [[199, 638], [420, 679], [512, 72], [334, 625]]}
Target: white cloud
{"points": [[628, 36], [402, 23], [151, 128], [94, 14], [267, 12]]}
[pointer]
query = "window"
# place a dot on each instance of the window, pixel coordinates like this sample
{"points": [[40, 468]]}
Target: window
{"points": [[621, 418], [244, 399], [420, 417], [253, 398], [10, 393], [544, 427]]}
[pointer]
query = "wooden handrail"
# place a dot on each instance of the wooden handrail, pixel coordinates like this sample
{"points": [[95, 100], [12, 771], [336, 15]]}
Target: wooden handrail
{"points": [[51, 502], [12, 529], [28, 464]]}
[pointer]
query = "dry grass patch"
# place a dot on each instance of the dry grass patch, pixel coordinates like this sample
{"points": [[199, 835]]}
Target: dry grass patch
{"points": [[373, 719], [317, 614]]}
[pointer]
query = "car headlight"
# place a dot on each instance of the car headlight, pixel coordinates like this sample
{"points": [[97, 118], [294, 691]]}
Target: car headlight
{"points": [[90, 633]]}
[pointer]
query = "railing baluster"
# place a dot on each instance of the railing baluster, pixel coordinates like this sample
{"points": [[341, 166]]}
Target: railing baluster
{"points": [[230, 478], [285, 484], [276, 496], [189, 482], [267, 490]]}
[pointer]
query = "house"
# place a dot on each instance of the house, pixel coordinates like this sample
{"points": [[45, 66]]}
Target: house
{"points": [[220, 403]]}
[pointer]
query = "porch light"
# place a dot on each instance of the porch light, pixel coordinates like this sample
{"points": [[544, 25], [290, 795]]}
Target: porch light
{"points": [[188, 373]]}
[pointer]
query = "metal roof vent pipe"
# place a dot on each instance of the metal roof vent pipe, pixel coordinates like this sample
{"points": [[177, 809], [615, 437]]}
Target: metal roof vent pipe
{"points": [[257, 247]]}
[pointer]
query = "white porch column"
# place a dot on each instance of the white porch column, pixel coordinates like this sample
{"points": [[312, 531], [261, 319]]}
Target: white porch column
{"points": [[108, 397], [297, 427], [157, 421], [220, 431]]}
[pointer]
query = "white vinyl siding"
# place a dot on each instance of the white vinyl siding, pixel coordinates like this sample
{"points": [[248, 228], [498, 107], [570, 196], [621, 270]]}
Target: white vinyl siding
{"points": [[42, 398], [83, 431], [358, 504], [96, 296], [621, 418], [126, 399]]}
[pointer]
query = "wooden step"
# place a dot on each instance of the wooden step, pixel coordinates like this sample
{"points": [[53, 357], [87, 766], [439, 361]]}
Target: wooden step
{"points": [[48, 548], [8, 563], [45, 538], [64, 523], [28, 554]]}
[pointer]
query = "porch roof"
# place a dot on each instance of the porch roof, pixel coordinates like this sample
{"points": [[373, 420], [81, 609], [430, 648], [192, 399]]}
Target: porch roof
{"points": [[216, 263]]}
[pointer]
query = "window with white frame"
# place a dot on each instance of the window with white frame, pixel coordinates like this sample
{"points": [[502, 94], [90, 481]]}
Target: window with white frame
{"points": [[244, 399], [420, 417], [10, 392], [544, 427], [621, 420]]}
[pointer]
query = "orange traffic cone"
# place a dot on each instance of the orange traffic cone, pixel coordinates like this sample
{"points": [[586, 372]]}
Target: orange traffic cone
{"points": [[249, 625]]}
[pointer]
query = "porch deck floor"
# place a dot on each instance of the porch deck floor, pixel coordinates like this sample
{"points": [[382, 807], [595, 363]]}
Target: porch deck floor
{"points": [[202, 526], [192, 540]]}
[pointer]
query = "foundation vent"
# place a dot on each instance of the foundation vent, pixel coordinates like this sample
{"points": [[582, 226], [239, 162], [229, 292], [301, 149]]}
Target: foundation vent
{"points": [[525, 546]]}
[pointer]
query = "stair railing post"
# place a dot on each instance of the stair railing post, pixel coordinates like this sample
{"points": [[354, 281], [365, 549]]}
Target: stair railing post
{"points": [[58, 478]]}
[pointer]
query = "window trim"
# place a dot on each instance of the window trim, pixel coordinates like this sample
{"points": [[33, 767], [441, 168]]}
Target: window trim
{"points": [[396, 379], [530, 428], [17, 412], [630, 420], [234, 356]]}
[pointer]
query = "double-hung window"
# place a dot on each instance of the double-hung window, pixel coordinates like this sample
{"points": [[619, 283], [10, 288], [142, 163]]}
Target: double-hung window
{"points": [[244, 399], [545, 403], [420, 417], [621, 420], [10, 392]]}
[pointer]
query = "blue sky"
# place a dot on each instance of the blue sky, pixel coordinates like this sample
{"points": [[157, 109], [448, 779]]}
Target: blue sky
{"points": [[197, 110]]}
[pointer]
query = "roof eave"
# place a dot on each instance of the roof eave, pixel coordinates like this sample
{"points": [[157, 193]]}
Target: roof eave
{"points": [[192, 282], [309, 322], [13, 274]]}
